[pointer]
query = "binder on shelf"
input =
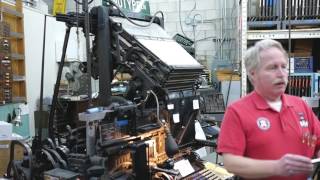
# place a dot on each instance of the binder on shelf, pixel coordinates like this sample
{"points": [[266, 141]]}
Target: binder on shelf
{"points": [[301, 64], [303, 84]]}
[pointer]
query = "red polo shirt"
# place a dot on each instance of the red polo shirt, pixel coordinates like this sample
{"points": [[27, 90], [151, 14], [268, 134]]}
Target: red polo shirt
{"points": [[251, 128]]}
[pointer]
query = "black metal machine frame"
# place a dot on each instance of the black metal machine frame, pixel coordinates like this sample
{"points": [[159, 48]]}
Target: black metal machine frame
{"points": [[116, 50]]}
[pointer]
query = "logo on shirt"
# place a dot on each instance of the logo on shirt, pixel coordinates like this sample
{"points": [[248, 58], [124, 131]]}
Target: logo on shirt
{"points": [[263, 123], [303, 122]]}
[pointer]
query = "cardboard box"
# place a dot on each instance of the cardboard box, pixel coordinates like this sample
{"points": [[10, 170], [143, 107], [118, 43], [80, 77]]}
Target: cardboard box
{"points": [[303, 46], [5, 155], [6, 130]]}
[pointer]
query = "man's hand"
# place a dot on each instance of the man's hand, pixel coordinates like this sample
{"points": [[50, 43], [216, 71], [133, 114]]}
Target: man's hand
{"points": [[287, 165], [291, 164]]}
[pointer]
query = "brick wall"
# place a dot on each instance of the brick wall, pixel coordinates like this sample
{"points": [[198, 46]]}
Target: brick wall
{"points": [[216, 35]]}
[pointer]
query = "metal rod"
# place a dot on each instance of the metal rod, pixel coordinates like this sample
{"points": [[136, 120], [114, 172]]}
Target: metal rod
{"points": [[289, 40], [85, 8], [57, 85], [42, 76]]}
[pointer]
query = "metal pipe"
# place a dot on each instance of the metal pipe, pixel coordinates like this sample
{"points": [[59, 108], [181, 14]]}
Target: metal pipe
{"points": [[42, 77], [85, 8], [57, 85], [289, 40]]}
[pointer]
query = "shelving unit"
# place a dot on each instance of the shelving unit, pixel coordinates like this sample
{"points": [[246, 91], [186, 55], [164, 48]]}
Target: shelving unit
{"points": [[279, 34], [283, 34], [13, 15], [302, 84], [243, 45]]}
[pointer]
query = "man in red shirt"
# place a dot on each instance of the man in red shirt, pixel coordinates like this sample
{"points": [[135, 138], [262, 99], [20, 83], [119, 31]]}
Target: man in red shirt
{"points": [[268, 134]]}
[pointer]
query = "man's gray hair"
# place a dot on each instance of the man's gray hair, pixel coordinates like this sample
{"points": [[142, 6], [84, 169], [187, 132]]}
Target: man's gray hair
{"points": [[252, 55]]}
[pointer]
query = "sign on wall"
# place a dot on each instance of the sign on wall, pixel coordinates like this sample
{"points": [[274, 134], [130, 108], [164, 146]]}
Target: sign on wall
{"points": [[59, 6], [136, 6]]}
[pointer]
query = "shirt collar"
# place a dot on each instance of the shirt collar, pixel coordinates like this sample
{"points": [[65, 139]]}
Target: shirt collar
{"points": [[261, 103]]}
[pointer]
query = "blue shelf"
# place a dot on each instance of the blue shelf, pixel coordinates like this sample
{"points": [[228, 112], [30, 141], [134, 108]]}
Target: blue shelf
{"points": [[264, 24], [302, 22]]}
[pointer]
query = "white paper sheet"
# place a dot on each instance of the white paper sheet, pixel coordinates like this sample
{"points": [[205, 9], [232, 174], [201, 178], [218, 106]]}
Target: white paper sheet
{"points": [[199, 131], [184, 167]]}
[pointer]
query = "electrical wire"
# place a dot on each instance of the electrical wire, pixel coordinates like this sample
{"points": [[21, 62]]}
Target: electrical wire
{"points": [[233, 64], [220, 42], [180, 19], [233, 26], [157, 101], [131, 21], [145, 99], [194, 7], [223, 36], [194, 26]]}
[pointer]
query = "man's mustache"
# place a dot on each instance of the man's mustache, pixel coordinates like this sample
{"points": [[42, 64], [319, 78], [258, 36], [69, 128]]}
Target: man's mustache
{"points": [[277, 81]]}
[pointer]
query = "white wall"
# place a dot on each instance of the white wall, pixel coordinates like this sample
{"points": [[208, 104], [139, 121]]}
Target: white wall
{"points": [[33, 36], [55, 31]]}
